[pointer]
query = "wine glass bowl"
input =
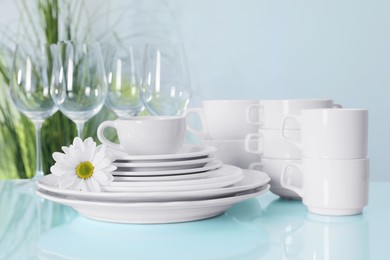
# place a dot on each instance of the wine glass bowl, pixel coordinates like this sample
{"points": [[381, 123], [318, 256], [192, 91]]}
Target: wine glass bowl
{"points": [[80, 86], [122, 67], [29, 88], [165, 84]]}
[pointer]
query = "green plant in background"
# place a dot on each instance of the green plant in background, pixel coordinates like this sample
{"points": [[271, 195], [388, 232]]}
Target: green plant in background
{"points": [[49, 21]]}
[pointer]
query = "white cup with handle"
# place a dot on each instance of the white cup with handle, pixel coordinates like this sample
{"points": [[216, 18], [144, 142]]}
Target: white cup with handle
{"points": [[331, 187], [274, 168], [223, 119], [271, 112], [147, 135], [271, 145], [331, 133]]}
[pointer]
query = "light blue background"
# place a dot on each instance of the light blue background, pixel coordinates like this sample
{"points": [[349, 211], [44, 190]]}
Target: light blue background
{"points": [[277, 49]]}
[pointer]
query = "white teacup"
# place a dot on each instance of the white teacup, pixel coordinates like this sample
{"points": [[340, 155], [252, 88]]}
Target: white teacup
{"points": [[233, 152], [331, 187], [271, 112], [331, 133], [271, 145], [147, 135], [274, 169], [223, 119]]}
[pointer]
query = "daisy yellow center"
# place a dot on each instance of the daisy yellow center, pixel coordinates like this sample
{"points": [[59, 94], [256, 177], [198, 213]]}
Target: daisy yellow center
{"points": [[85, 170]]}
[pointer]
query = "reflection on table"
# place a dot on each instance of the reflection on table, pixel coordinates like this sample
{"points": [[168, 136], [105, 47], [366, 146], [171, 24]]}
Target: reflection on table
{"points": [[262, 228]]}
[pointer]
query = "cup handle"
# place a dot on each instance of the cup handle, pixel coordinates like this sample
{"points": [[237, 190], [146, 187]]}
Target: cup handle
{"points": [[248, 139], [200, 113], [103, 139], [287, 185], [253, 166], [249, 111], [283, 127], [337, 106]]}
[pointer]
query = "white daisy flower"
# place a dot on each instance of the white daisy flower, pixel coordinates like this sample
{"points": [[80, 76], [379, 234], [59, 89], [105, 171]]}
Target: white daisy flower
{"points": [[83, 166]]}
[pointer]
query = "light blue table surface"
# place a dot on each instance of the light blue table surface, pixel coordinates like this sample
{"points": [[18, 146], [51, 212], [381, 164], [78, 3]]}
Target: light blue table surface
{"points": [[261, 228]]}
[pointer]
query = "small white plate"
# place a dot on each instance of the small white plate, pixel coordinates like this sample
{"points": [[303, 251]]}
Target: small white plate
{"points": [[224, 176], [153, 212], [214, 164], [179, 177], [252, 180], [187, 151], [163, 166]]}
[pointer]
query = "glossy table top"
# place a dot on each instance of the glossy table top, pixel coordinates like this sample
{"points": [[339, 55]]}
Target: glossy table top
{"points": [[261, 228]]}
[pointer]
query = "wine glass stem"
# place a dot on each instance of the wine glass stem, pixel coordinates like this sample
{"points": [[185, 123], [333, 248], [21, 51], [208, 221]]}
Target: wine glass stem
{"points": [[80, 127], [38, 150]]}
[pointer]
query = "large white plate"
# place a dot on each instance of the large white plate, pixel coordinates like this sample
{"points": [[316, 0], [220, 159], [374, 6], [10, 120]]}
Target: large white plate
{"points": [[252, 180], [187, 151], [214, 164], [224, 176], [163, 166], [153, 212]]}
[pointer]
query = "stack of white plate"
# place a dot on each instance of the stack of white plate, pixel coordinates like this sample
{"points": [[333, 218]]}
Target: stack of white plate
{"points": [[189, 185]]}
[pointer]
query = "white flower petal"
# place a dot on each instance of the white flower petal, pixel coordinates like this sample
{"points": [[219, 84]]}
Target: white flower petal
{"points": [[109, 168], [99, 156], [103, 178], [67, 180], [59, 171], [96, 184], [103, 163], [65, 149], [58, 156]]}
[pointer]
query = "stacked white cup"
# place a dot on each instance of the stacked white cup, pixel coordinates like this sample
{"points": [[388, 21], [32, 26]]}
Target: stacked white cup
{"points": [[224, 125], [334, 168], [275, 151]]}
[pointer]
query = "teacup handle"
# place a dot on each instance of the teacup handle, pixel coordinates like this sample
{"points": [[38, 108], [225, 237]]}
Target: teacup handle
{"points": [[200, 113], [248, 139], [103, 139], [287, 185], [256, 166], [283, 127], [249, 111]]}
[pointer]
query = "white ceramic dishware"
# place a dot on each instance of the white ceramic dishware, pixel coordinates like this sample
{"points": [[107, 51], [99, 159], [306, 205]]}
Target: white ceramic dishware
{"points": [[252, 180], [271, 112], [215, 164], [186, 152], [178, 177], [233, 152], [146, 135], [331, 187], [274, 169], [223, 119], [153, 212], [162, 166], [269, 143], [222, 177], [331, 133]]}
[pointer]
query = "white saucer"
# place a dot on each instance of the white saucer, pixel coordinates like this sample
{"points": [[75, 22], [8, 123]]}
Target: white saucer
{"points": [[153, 212], [222, 177], [252, 180], [187, 151], [178, 177], [215, 164], [164, 165]]}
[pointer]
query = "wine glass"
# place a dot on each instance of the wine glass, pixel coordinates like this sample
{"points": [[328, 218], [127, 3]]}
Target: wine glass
{"points": [[30, 81], [122, 65], [165, 84], [80, 85]]}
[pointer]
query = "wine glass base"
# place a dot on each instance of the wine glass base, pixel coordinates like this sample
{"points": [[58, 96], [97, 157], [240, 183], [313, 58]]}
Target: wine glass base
{"points": [[28, 185]]}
